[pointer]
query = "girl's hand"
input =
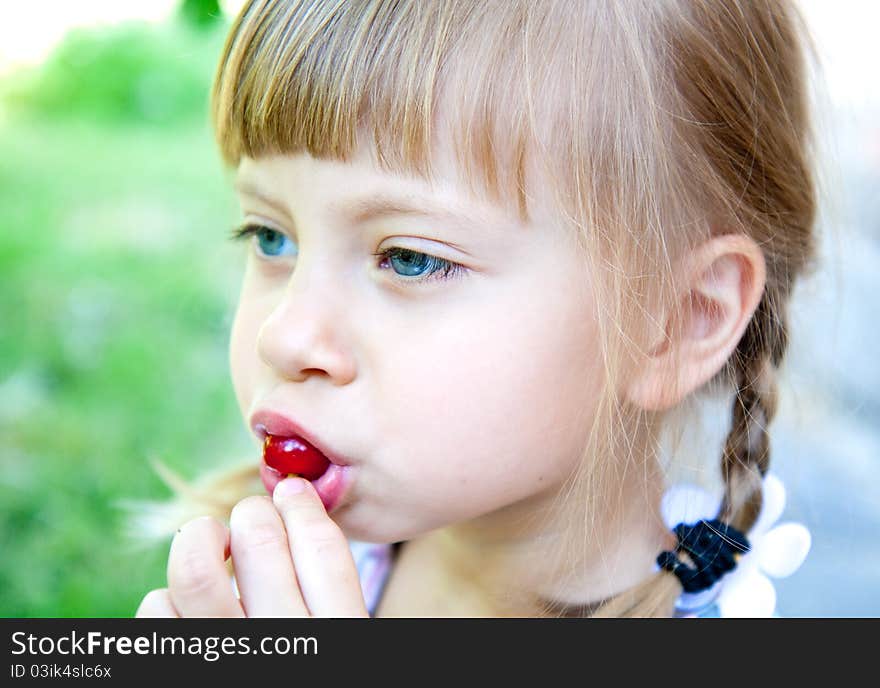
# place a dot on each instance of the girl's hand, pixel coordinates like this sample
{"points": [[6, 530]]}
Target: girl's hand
{"points": [[290, 559]]}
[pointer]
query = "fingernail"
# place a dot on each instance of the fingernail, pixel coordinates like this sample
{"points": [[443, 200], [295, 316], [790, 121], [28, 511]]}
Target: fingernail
{"points": [[289, 487]]}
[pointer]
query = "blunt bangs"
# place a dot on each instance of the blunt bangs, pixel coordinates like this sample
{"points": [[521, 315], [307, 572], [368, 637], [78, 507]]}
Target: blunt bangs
{"points": [[317, 76]]}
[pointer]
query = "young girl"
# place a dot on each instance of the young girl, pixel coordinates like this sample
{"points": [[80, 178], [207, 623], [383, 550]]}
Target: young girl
{"points": [[497, 252]]}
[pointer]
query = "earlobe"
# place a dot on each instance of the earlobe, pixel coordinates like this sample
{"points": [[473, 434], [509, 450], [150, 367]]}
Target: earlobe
{"points": [[722, 283]]}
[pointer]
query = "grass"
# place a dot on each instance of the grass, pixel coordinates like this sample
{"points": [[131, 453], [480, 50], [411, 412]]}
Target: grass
{"points": [[118, 287]]}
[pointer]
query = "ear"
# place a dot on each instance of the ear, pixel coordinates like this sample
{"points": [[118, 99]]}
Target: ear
{"points": [[722, 283]]}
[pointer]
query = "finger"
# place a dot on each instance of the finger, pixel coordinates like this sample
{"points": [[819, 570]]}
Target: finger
{"points": [[321, 555], [263, 568], [156, 605], [198, 581]]}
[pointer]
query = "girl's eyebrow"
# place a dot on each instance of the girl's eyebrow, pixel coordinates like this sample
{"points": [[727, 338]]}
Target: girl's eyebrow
{"points": [[379, 205], [359, 210], [247, 189]]}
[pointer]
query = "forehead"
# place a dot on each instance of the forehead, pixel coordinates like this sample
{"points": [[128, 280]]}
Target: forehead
{"points": [[354, 193], [361, 187]]}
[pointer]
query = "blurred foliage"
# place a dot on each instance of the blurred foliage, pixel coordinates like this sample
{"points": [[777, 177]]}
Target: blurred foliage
{"points": [[200, 13], [118, 288], [136, 72]]}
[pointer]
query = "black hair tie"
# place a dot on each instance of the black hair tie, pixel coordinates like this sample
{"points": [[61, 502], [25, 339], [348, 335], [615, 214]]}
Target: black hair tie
{"points": [[713, 546]]}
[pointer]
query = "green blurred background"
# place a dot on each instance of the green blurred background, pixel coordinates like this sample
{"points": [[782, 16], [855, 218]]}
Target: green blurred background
{"points": [[118, 284]]}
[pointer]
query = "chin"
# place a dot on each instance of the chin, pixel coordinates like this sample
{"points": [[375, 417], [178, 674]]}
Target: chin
{"points": [[355, 527]]}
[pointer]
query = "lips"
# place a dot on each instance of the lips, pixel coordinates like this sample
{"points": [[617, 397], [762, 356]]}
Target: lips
{"points": [[289, 449], [331, 487]]}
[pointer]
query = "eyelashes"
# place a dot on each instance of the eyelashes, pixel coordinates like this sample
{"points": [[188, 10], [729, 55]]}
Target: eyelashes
{"points": [[437, 268], [263, 236], [266, 240]]}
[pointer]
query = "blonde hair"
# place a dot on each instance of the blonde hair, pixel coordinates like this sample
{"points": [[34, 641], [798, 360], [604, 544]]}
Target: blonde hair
{"points": [[659, 124]]}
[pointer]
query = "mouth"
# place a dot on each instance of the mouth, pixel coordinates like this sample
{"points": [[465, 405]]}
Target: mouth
{"points": [[289, 451]]}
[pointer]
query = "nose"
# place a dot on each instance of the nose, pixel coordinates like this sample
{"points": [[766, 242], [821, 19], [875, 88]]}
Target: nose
{"points": [[304, 335]]}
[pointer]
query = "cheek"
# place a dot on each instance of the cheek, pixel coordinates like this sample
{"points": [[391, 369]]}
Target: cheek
{"points": [[243, 362], [506, 404]]}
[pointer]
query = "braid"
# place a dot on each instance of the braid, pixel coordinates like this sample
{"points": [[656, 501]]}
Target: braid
{"points": [[746, 455], [750, 136]]}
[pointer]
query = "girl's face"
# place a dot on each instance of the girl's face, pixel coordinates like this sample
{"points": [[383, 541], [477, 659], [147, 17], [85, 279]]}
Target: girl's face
{"points": [[457, 373]]}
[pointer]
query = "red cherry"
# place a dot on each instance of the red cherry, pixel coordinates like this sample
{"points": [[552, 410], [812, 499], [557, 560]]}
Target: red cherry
{"points": [[294, 455]]}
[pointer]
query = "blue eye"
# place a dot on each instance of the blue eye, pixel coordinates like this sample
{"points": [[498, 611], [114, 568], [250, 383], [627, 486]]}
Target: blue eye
{"points": [[270, 241], [409, 267], [415, 265]]}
